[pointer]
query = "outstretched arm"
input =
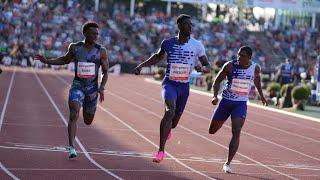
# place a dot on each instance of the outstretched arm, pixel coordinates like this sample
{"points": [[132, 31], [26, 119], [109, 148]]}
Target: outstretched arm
{"points": [[220, 77], [65, 59], [105, 67], [257, 83], [154, 59]]}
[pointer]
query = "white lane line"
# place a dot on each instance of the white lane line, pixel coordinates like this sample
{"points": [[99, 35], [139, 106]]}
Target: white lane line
{"points": [[1, 120], [128, 170], [250, 104], [148, 170], [244, 132], [150, 156], [119, 170], [77, 140], [145, 138], [286, 132], [7, 98], [199, 135], [8, 172]]}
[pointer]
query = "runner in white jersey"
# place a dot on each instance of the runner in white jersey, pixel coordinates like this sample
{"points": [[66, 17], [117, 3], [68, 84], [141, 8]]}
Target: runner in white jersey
{"points": [[183, 53], [241, 75]]}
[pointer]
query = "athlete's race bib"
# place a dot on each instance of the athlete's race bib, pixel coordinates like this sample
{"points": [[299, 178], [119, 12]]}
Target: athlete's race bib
{"points": [[179, 72], [241, 86], [86, 70]]}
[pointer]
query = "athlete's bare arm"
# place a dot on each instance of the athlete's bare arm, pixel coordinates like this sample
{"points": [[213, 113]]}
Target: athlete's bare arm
{"points": [[105, 66], [223, 73], [206, 67], [154, 59], [65, 59], [257, 83]]}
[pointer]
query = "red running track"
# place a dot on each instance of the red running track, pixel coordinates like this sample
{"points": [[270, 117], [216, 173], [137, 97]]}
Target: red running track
{"points": [[123, 138]]}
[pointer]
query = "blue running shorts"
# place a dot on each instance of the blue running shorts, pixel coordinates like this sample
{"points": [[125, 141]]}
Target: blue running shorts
{"points": [[86, 95], [177, 91], [237, 109]]}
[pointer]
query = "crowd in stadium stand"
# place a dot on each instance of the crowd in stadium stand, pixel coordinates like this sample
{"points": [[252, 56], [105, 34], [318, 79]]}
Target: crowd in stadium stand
{"points": [[27, 29]]}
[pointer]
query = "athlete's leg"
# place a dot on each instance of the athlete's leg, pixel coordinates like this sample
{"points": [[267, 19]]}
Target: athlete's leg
{"points": [[169, 95], [235, 140], [220, 115], [176, 119], [215, 125], [89, 111], [90, 104], [166, 122], [76, 98], [74, 108], [88, 117], [238, 117], [180, 104]]}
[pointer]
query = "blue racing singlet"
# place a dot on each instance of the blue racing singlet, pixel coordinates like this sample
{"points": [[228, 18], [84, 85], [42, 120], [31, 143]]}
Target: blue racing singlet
{"points": [[239, 82], [87, 63], [286, 73]]}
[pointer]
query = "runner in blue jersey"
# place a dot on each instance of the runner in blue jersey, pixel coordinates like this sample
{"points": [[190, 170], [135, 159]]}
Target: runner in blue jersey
{"points": [[286, 73], [241, 74], [183, 53], [88, 56]]}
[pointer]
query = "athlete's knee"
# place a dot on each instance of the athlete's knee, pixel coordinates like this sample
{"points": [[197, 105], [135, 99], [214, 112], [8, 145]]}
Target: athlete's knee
{"points": [[169, 114], [212, 130], [74, 110], [88, 118], [74, 114], [215, 126], [175, 120], [88, 121], [236, 131]]}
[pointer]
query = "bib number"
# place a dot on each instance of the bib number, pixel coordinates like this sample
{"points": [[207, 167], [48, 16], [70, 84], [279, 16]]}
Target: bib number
{"points": [[179, 72], [241, 87], [86, 70]]}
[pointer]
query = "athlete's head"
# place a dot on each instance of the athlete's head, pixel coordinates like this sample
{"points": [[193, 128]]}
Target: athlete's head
{"points": [[287, 60], [244, 54], [90, 31], [184, 24]]}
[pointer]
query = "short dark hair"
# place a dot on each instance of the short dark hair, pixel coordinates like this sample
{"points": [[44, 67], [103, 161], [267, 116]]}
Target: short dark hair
{"points": [[181, 17], [247, 49], [88, 25]]}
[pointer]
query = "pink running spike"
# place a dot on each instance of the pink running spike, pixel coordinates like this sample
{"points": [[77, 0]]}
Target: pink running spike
{"points": [[159, 157], [169, 136]]}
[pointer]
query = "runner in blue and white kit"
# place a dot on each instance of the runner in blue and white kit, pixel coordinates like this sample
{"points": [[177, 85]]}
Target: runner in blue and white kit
{"points": [[183, 53], [88, 56], [241, 75]]}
